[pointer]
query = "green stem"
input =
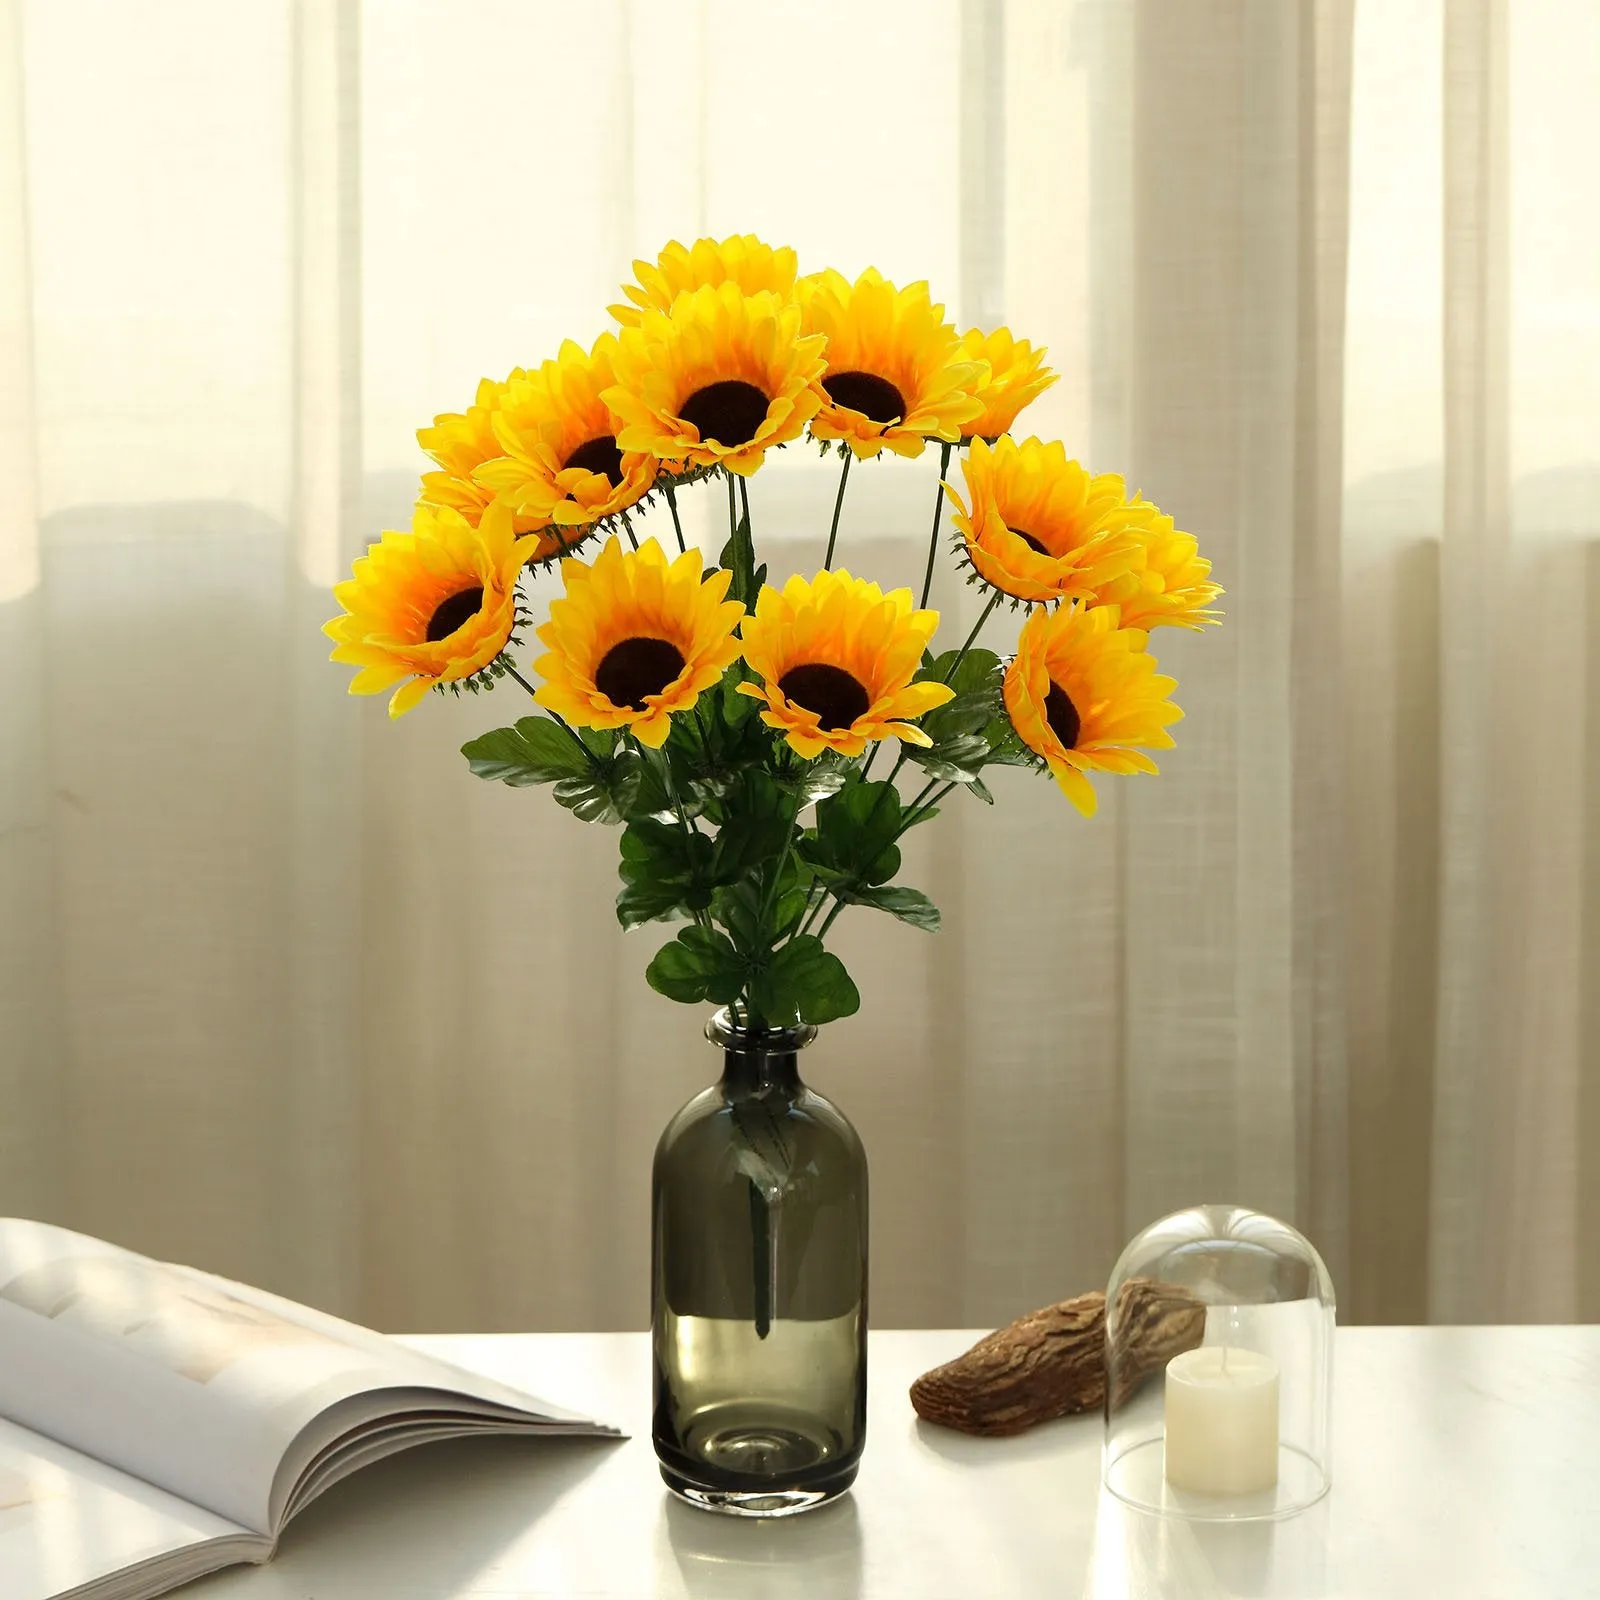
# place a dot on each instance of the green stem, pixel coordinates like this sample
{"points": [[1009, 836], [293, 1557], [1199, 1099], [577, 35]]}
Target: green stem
{"points": [[590, 756], [927, 788], [915, 815], [511, 672], [633, 538], [872, 756], [811, 915], [815, 895], [977, 628], [672, 790], [750, 527], [933, 541], [771, 889], [672, 506], [838, 503], [555, 717], [872, 816], [689, 829], [733, 516], [911, 818]]}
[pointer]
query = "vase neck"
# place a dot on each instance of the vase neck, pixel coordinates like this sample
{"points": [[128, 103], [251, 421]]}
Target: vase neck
{"points": [[759, 1072], [757, 1061]]}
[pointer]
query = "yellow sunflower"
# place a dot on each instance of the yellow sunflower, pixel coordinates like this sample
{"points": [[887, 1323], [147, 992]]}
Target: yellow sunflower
{"points": [[557, 465], [836, 657], [1083, 694], [1171, 585], [715, 380], [634, 639], [742, 259], [1040, 528], [431, 606], [1017, 377], [895, 375], [461, 441]]}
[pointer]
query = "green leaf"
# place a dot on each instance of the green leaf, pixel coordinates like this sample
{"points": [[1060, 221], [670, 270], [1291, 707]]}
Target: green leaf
{"points": [[739, 557], [789, 909], [651, 798], [737, 906], [804, 983], [652, 847], [589, 800], [978, 669], [818, 779], [1006, 748], [720, 738], [593, 778], [956, 760], [700, 964], [639, 903], [855, 833], [607, 794], [978, 683], [884, 866], [909, 905], [665, 869], [755, 828], [536, 750], [737, 708], [962, 746]]}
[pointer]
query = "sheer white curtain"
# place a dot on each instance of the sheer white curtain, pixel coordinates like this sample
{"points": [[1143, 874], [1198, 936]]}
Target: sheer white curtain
{"points": [[285, 992]]}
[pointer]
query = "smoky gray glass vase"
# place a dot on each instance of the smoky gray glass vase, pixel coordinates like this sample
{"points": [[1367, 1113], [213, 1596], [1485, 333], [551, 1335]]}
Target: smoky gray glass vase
{"points": [[759, 1286]]}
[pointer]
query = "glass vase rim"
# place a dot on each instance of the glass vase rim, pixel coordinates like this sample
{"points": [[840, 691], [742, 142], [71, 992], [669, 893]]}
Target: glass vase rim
{"points": [[739, 1039]]}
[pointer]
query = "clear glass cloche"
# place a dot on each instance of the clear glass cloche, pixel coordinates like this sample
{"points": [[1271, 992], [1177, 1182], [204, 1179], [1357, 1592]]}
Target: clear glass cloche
{"points": [[1219, 1368]]}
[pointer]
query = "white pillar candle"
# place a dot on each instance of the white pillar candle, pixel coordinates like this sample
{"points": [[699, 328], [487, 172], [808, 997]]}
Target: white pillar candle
{"points": [[1222, 1421]]}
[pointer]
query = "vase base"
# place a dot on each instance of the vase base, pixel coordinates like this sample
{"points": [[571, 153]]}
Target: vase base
{"points": [[774, 1501], [745, 1458]]}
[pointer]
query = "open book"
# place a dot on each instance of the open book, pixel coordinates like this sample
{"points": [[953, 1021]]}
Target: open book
{"points": [[157, 1423]]}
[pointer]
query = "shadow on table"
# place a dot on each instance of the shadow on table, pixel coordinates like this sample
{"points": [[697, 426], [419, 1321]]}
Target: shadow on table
{"points": [[744, 1558], [1042, 1443], [1139, 1556], [447, 1508]]}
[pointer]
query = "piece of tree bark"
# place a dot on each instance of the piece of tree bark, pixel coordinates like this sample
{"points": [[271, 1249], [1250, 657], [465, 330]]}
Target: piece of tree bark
{"points": [[1052, 1362]]}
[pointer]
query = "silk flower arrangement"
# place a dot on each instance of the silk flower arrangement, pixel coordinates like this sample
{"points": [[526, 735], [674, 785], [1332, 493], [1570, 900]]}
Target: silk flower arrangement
{"points": [[729, 725]]}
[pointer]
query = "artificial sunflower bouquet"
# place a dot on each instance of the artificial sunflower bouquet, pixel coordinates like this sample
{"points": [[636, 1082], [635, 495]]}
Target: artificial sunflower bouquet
{"points": [[730, 726]]}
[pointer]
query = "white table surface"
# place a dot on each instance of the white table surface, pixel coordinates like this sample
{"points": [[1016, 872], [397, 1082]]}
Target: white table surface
{"points": [[1466, 1467]]}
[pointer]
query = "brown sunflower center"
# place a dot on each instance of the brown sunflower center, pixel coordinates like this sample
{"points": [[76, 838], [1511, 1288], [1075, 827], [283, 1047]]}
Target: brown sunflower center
{"points": [[1062, 715], [637, 667], [449, 614], [599, 456], [874, 397], [836, 697], [1033, 543], [727, 413]]}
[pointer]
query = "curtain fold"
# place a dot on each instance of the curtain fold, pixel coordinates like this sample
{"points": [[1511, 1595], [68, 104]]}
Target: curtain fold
{"points": [[286, 993], [1474, 572]]}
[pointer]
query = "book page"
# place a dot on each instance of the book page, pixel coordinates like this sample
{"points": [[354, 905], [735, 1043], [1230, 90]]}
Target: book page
{"points": [[196, 1384], [67, 1520]]}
